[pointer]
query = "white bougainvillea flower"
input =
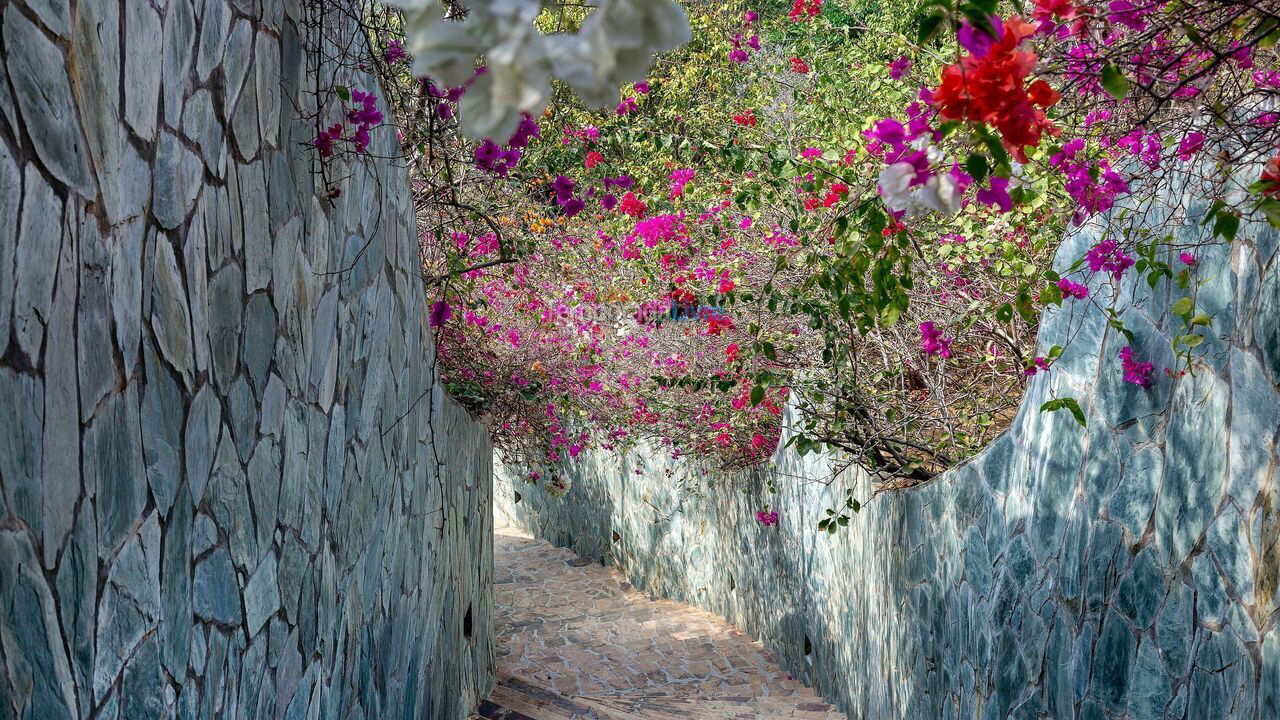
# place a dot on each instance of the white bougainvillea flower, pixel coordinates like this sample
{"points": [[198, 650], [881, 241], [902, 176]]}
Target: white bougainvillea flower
{"points": [[940, 194], [894, 182], [441, 48], [617, 43], [615, 47], [517, 80]]}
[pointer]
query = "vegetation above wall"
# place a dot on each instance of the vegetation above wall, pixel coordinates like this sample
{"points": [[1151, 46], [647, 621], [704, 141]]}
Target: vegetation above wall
{"points": [[850, 208]]}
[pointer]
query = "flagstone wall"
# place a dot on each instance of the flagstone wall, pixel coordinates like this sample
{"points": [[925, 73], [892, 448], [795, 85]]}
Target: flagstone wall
{"points": [[229, 483]]}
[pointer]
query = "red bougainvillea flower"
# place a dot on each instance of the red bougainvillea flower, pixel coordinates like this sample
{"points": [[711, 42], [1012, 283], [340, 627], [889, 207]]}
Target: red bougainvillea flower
{"points": [[593, 158], [1270, 180], [802, 9], [746, 119], [992, 88], [633, 206], [799, 66]]}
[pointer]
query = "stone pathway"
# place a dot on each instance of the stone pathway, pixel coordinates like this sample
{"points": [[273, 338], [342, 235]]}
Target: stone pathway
{"points": [[575, 640]]}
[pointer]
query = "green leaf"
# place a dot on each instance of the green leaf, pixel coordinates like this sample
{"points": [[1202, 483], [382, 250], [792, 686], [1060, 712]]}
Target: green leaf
{"points": [[1227, 225], [757, 394], [1069, 404], [342, 92], [977, 166], [929, 28], [1183, 308], [1190, 340], [1114, 82], [1051, 295], [769, 351]]}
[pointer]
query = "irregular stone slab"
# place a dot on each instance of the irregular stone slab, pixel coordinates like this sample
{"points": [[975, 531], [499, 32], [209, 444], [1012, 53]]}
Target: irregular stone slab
{"points": [[61, 443], [36, 667], [196, 266], [170, 317], [200, 124], [145, 37], [264, 485], [226, 303], [214, 26], [175, 590], [120, 169], [10, 202], [257, 234], [262, 595], [235, 61], [162, 416], [272, 407], [267, 75], [77, 588], [112, 463], [259, 339], [95, 364], [244, 413], [39, 240], [129, 608], [55, 14], [142, 691], [179, 26], [229, 502], [21, 414], [294, 562], [176, 182], [204, 535], [244, 123], [201, 440], [216, 593], [126, 289], [37, 70]]}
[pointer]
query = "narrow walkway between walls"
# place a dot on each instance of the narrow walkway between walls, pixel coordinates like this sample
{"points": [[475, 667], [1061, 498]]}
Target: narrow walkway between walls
{"points": [[575, 640]]}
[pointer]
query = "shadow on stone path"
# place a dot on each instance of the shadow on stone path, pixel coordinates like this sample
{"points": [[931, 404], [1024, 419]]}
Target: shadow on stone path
{"points": [[575, 640]]}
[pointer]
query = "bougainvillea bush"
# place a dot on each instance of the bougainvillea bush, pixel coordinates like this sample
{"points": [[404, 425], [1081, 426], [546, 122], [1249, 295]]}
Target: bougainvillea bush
{"points": [[847, 208]]}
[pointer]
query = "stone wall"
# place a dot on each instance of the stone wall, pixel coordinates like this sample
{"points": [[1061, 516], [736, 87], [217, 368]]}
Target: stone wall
{"points": [[229, 486], [1124, 571]]}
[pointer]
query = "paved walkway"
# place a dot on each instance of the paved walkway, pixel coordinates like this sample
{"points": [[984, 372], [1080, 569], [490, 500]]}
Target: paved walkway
{"points": [[575, 640]]}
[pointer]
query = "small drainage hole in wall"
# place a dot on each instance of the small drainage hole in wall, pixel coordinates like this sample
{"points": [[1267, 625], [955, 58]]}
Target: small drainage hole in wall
{"points": [[616, 536], [466, 623], [732, 585], [808, 646]]}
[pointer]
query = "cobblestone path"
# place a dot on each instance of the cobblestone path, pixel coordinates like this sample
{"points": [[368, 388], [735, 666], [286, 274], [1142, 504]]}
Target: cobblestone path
{"points": [[575, 640]]}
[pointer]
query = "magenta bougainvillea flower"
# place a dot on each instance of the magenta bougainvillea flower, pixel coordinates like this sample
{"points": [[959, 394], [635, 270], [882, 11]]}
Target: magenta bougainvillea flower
{"points": [[1135, 371]]}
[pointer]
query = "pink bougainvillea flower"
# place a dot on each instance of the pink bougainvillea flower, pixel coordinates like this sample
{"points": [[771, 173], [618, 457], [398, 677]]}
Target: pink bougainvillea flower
{"points": [[1191, 145], [642, 88], [899, 67], [1135, 371], [996, 194], [767, 518], [324, 141], [811, 153], [932, 342], [1107, 256], [1188, 259], [440, 313], [395, 52], [1073, 289], [1039, 364]]}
